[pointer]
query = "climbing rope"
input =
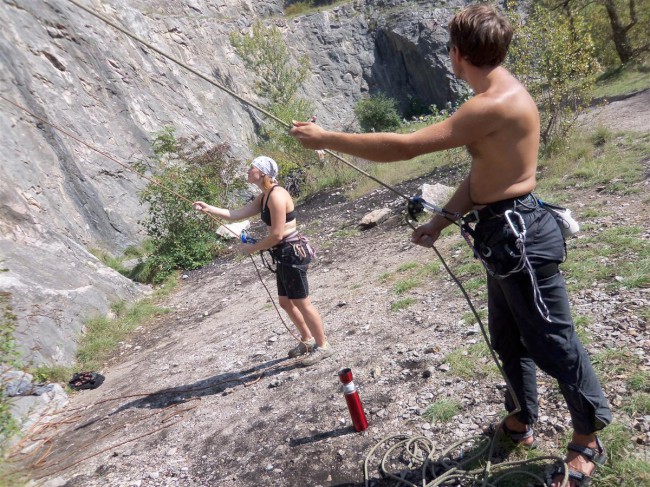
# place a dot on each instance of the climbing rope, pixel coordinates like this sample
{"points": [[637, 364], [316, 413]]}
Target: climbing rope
{"points": [[225, 89], [44, 435], [157, 183], [453, 468], [449, 468]]}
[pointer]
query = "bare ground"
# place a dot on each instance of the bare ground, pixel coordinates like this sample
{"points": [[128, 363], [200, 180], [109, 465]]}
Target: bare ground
{"points": [[206, 397]]}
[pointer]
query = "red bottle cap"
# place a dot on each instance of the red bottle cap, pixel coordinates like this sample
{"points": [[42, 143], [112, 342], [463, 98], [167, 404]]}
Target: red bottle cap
{"points": [[345, 375]]}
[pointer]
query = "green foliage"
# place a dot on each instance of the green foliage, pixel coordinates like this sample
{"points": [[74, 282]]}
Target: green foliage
{"points": [[627, 464], [103, 334], [298, 7], [378, 113], [442, 411], [471, 362], [640, 381], [630, 78], [51, 373], [401, 304], [8, 322], [637, 35], [554, 57], [406, 285], [278, 79], [8, 356], [180, 239], [265, 53]]}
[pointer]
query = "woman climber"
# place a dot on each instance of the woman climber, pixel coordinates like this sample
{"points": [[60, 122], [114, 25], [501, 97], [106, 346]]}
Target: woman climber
{"points": [[290, 251]]}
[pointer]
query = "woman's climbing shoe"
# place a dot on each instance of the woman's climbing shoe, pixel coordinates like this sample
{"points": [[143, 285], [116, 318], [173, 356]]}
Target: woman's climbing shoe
{"points": [[597, 456], [302, 348]]}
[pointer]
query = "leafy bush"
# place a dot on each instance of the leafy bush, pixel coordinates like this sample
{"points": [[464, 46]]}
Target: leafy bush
{"points": [[553, 55], [377, 114], [8, 356], [184, 168]]}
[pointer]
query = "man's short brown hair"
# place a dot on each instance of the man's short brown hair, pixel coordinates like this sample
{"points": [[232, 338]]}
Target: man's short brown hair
{"points": [[482, 34]]}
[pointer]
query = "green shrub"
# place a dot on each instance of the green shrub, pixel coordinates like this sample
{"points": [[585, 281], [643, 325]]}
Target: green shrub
{"points": [[8, 356], [377, 113], [553, 55], [184, 168]]}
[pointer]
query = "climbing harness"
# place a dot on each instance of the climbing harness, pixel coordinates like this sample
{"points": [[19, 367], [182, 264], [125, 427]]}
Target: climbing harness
{"points": [[519, 257], [296, 244]]}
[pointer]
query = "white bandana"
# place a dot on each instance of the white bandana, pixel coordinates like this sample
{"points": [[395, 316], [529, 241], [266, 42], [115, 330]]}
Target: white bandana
{"points": [[267, 165]]}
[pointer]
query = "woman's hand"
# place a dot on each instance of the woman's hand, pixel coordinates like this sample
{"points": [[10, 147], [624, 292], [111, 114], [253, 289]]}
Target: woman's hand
{"points": [[201, 206], [244, 249]]}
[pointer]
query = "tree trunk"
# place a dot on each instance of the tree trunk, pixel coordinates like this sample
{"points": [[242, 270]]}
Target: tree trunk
{"points": [[619, 31]]}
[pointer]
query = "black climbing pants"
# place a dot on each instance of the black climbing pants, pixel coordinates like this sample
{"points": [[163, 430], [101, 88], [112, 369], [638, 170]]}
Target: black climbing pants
{"points": [[520, 334]]}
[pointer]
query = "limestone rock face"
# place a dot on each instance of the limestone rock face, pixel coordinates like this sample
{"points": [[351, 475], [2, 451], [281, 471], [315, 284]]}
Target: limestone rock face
{"points": [[88, 83]]}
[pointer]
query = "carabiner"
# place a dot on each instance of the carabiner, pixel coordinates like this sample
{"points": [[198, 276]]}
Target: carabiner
{"points": [[517, 233]]}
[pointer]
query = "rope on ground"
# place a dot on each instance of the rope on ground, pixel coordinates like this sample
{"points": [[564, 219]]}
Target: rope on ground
{"points": [[44, 435], [459, 462], [467, 462]]}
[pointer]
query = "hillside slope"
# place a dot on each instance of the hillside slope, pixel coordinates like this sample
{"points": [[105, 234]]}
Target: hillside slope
{"points": [[206, 396]]}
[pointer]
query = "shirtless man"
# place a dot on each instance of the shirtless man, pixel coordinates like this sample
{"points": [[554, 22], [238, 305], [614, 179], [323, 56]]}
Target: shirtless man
{"points": [[529, 317]]}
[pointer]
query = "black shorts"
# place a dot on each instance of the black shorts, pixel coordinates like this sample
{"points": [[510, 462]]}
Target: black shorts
{"points": [[291, 270]]}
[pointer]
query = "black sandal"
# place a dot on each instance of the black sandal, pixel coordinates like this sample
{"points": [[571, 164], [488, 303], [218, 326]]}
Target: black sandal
{"points": [[86, 380], [516, 437], [596, 456]]}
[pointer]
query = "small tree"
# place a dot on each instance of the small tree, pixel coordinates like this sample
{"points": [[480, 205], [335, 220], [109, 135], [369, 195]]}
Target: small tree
{"points": [[554, 57], [377, 113], [186, 167], [617, 26], [278, 79]]}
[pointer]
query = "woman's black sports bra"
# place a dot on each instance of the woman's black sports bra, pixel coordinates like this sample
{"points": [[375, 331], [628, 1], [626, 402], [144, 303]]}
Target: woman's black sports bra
{"points": [[266, 213]]}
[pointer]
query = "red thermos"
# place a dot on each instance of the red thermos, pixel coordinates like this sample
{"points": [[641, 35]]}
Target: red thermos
{"points": [[352, 398]]}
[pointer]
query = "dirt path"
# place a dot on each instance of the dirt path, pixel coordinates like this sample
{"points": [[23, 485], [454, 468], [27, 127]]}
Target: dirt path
{"points": [[184, 403]]}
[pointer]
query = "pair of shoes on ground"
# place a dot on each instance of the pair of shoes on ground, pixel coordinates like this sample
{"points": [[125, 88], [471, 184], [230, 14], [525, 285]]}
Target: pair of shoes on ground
{"points": [[316, 353], [597, 456], [86, 380]]}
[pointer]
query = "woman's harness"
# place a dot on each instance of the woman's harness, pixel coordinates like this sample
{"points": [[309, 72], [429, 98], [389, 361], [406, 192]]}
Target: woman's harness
{"points": [[300, 248]]}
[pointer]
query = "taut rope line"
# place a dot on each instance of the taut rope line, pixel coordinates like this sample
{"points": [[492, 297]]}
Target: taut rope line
{"points": [[225, 89], [452, 474], [156, 182]]}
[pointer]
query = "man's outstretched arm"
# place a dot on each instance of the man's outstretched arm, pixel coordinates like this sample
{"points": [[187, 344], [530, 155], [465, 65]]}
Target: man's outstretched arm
{"points": [[474, 120]]}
